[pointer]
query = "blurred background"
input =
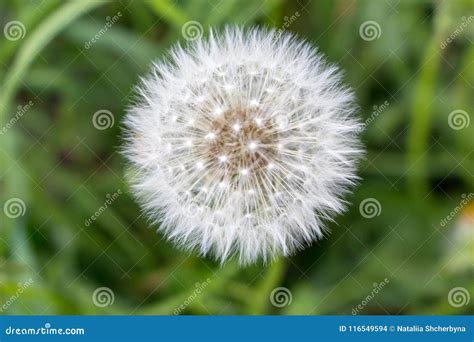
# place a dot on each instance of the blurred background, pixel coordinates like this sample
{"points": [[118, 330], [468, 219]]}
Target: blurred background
{"points": [[73, 240]]}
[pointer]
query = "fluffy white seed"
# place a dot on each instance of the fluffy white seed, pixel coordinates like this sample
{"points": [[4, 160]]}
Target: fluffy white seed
{"points": [[252, 160]]}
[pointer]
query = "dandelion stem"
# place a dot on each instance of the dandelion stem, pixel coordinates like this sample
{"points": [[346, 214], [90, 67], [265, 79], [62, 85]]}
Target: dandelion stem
{"points": [[169, 12], [15, 183], [421, 113], [273, 277]]}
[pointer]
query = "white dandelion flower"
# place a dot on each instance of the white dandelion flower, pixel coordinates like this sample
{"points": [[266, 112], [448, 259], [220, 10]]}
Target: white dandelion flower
{"points": [[243, 144]]}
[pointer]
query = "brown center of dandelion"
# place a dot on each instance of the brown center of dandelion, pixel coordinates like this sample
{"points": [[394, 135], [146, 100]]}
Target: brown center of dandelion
{"points": [[241, 142]]}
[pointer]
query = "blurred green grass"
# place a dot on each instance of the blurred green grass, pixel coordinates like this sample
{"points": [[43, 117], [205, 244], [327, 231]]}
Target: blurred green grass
{"points": [[63, 169]]}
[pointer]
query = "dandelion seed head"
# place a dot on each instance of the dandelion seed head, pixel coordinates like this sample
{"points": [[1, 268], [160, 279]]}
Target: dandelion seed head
{"points": [[253, 160]]}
